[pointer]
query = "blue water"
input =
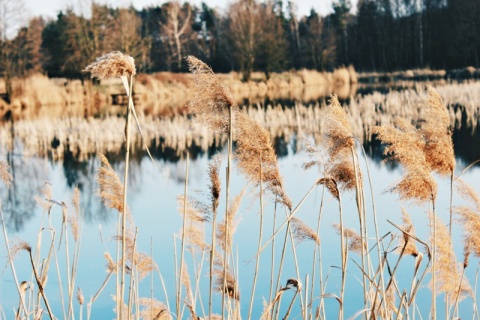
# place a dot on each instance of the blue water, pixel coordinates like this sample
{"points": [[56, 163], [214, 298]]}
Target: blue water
{"points": [[152, 198]]}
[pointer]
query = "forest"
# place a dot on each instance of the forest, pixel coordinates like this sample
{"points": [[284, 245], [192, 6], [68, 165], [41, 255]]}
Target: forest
{"points": [[251, 35]]}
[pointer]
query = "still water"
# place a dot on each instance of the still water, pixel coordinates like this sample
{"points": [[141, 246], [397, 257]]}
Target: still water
{"points": [[152, 199]]}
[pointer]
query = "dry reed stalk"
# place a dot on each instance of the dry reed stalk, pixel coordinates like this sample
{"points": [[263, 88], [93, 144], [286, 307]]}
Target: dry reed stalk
{"points": [[20, 245], [117, 65], [215, 187], [406, 242], [422, 151], [80, 300], [225, 242], [182, 253], [254, 143], [257, 262], [340, 171], [213, 105], [7, 178]]}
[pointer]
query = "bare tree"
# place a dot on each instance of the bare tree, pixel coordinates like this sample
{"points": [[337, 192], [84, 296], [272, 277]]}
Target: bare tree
{"points": [[243, 26], [11, 15], [177, 28]]}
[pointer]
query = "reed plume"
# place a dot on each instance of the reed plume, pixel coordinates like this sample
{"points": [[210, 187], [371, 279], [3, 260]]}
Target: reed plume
{"points": [[254, 145], [111, 188], [224, 237], [340, 143], [111, 265], [112, 65], [435, 128], [406, 145], [45, 202], [449, 271], [331, 186], [469, 217], [153, 310], [302, 231], [196, 214], [210, 100], [215, 184], [353, 238], [5, 174], [230, 286], [73, 219]]}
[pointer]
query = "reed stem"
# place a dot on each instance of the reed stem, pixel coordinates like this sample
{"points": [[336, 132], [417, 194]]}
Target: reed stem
{"points": [[257, 262], [125, 189]]}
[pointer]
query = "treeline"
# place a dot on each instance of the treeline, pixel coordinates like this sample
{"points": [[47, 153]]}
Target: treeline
{"points": [[382, 35]]}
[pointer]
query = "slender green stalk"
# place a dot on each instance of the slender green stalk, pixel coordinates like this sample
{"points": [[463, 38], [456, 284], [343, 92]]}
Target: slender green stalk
{"points": [[344, 257], [257, 262]]}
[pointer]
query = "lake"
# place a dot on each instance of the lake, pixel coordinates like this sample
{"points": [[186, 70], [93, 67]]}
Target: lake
{"points": [[63, 154]]}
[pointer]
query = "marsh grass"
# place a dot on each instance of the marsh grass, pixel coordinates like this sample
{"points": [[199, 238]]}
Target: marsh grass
{"points": [[421, 144]]}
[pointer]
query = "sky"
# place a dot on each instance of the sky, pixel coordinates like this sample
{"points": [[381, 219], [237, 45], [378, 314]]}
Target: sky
{"points": [[50, 8]]}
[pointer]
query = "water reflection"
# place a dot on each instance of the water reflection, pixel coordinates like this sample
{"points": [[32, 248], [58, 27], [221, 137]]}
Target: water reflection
{"points": [[31, 147]]}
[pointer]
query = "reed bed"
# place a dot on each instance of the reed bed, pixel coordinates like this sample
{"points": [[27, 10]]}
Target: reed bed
{"points": [[415, 130], [83, 137]]}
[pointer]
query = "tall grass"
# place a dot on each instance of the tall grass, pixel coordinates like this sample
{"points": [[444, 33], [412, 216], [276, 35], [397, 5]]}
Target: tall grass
{"points": [[421, 144]]}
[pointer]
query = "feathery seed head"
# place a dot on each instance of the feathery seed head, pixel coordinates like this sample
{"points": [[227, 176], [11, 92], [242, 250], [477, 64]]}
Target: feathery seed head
{"points": [[331, 186], [449, 275], [303, 232], [112, 65], [211, 99], [215, 184]]}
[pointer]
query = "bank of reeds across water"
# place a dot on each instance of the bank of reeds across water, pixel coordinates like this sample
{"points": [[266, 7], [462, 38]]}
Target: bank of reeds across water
{"points": [[416, 135], [161, 94], [82, 137]]}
